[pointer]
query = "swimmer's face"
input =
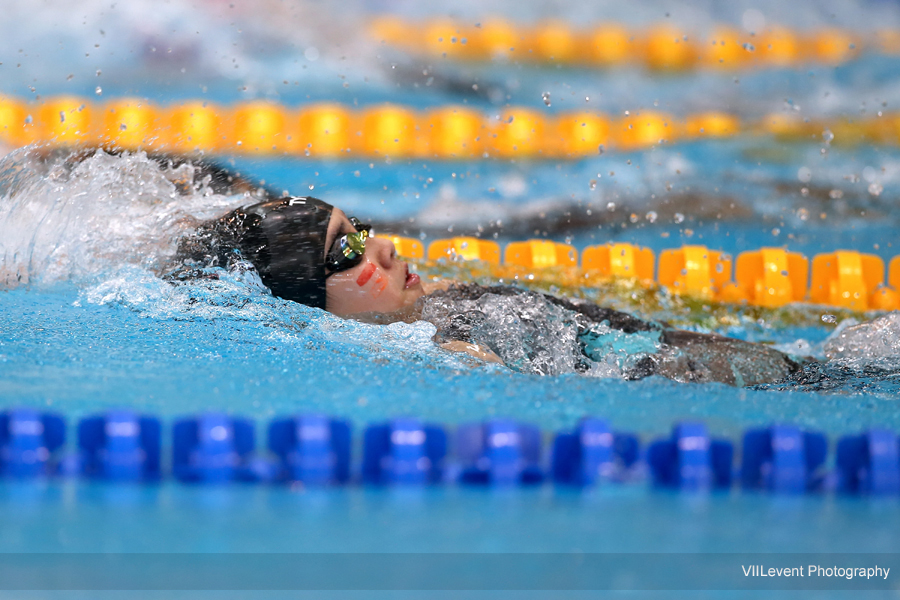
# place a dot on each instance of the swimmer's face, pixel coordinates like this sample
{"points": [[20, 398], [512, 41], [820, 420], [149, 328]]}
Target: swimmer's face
{"points": [[380, 283]]}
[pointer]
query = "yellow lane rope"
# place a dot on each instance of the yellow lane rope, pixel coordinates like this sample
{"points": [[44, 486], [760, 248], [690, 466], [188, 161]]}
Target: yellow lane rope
{"points": [[660, 47], [768, 277], [336, 131]]}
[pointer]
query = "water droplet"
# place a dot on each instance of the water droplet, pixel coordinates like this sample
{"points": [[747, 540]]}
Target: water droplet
{"points": [[679, 218], [98, 90], [875, 189], [652, 216], [749, 47], [827, 136], [311, 186], [802, 214], [600, 149], [546, 98], [610, 206], [593, 184], [830, 319]]}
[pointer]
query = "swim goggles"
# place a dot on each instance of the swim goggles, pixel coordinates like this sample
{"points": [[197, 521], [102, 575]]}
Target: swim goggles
{"points": [[347, 250]]}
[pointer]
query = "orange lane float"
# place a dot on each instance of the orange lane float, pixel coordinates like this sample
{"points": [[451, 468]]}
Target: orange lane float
{"points": [[323, 131], [619, 260], [726, 48], [193, 127], [130, 124], [392, 131], [846, 278], [579, 134], [65, 120], [464, 248], [610, 44], [643, 130], [833, 46], [772, 276], [388, 130], [778, 47], [540, 254], [694, 271], [664, 47], [667, 48], [496, 39], [16, 128], [519, 133], [555, 42], [259, 128], [712, 125], [453, 132]]}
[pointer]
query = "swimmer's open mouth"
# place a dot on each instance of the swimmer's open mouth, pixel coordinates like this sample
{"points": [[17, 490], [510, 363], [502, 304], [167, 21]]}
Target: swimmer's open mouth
{"points": [[412, 280]]}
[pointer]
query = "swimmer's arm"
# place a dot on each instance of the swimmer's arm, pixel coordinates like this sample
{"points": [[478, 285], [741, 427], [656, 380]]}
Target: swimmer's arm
{"points": [[485, 354]]}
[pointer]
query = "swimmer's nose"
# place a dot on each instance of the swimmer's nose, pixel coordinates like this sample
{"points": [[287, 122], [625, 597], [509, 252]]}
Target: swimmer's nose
{"points": [[385, 253]]}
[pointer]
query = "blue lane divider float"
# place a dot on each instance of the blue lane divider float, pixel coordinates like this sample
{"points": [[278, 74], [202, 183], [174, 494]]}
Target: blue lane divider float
{"points": [[212, 448], [120, 446], [316, 450], [593, 453], [28, 441], [869, 463], [403, 451], [500, 452], [782, 458], [691, 460]]}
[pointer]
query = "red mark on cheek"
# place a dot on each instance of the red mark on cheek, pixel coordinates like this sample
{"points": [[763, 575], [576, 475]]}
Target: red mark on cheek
{"points": [[366, 275], [380, 284]]}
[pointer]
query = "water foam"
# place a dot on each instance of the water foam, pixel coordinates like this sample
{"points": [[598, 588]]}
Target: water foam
{"points": [[63, 219], [238, 296]]}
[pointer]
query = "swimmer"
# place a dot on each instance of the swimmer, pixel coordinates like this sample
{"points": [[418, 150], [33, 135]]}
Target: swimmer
{"points": [[308, 251]]}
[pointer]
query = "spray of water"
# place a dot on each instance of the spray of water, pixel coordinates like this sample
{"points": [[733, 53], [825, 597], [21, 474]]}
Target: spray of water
{"points": [[62, 218]]}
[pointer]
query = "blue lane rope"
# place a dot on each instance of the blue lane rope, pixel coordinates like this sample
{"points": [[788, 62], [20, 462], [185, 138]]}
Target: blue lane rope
{"points": [[122, 445]]}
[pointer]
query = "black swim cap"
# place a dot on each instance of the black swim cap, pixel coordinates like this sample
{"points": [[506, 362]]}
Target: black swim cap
{"points": [[284, 238], [285, 241]]}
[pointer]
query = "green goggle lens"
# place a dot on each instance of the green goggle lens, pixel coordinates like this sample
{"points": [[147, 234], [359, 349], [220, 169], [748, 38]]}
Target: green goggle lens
{"points": [[348, 250]]}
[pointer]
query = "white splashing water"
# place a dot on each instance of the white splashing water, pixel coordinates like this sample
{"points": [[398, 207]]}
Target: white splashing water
{"points": [[71, 220], [238, 296], [535, 336], [865, 342]]}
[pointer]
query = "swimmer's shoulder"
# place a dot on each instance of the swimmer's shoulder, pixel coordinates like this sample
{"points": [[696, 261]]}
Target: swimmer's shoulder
{"points": [[441, 285]]}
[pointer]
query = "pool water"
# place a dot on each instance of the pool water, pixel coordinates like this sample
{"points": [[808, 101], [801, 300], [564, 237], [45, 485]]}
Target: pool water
{"points": [[94, 327]]}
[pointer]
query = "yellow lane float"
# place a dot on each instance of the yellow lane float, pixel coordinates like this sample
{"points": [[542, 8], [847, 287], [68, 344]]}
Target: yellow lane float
{"points": [[694, 271], [619, 260], [772, 276], [540, 254], [464, 248]]}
